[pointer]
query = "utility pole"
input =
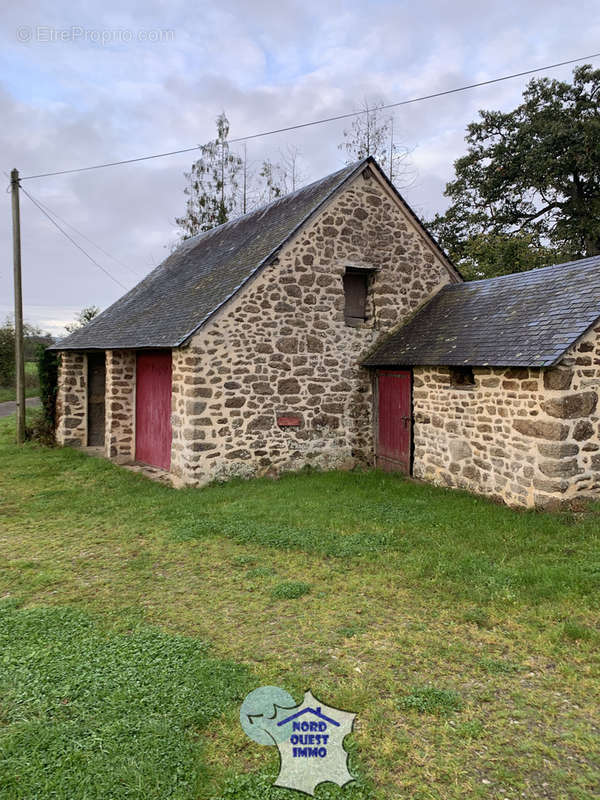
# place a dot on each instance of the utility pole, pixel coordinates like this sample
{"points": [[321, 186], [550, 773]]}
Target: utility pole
{"points": [[19, 363]]}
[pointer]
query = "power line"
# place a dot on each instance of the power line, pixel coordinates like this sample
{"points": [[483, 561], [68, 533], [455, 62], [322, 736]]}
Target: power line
{"points": [[320, 121], [87, 238], [77, 245]]}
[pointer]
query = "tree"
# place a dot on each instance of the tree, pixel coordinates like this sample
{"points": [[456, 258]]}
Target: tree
{"points": [[489, 255], [271, 180], [212, 189], [86, 315], [530, 181], [372, 134], [33, 339], [280, 178]]}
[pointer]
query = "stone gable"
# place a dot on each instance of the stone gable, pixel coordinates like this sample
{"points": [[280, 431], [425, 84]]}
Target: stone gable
{"points": [[272, 383]]}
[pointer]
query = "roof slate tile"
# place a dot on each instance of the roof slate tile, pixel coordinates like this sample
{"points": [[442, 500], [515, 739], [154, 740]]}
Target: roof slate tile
{"points": [[173, 301], [524, 319]]}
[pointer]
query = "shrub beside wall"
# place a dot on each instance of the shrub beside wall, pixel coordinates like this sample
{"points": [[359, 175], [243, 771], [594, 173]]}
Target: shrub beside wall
{"points": [[42, 427]]}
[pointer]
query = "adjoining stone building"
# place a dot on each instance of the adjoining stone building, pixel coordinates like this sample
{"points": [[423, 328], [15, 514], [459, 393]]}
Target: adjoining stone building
{"points": [[329, 329], [506, 379]]}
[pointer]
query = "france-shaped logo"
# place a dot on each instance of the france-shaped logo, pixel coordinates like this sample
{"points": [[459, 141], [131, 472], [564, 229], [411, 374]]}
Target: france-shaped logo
{"points": [[309, 737]]}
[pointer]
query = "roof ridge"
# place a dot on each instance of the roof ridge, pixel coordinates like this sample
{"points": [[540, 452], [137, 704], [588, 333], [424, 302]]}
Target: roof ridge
{"points": [[348, 171], [203, 235], [193, 282]]}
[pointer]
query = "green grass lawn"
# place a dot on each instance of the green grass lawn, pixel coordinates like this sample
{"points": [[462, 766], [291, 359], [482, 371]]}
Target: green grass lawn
{"points": [[134, 618], [32, 386]]}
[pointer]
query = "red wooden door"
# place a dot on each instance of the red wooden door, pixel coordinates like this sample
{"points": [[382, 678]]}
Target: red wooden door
{"points": [[394, 421], [153, 409]]}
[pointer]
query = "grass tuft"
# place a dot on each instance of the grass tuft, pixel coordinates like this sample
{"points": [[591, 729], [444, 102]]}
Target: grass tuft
{"points": [[261, 572], [497, 667], [290, 590], [472, 729], [574, 631], [430, 700], [479, 617]]}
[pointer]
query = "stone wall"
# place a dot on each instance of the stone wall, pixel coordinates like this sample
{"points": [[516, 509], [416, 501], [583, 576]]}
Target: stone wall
{"points": [[119, 438], [526, 436], [272, 383], [71, 400], [574, 401]]}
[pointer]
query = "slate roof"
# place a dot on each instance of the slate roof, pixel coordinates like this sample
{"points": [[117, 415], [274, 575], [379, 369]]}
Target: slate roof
{"points": [[176, 298], [524, 319]]}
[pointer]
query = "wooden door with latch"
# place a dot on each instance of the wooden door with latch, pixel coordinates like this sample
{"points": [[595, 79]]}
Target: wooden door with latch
{"points": [[153, 408], [394, 420]]}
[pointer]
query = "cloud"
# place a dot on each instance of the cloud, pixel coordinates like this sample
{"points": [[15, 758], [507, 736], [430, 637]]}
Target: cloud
{"points": [[77, 102]]}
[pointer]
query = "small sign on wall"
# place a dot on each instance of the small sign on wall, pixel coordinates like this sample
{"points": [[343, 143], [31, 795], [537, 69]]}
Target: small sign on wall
{"points": [[289, 421]]}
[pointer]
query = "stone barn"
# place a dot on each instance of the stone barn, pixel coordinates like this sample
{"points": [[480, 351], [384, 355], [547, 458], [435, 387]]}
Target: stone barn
{"points": [[329, 329]]}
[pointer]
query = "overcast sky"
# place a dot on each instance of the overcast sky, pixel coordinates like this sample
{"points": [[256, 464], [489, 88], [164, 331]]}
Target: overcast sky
{"points": [[114, 80]]}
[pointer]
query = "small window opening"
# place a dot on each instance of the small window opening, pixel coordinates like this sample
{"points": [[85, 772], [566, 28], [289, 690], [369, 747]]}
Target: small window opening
{"points": [[462, 376], [356, 285]]}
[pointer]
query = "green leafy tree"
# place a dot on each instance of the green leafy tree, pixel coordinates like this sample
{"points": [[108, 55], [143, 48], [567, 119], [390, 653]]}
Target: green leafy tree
{"points": [[487, 255], [528, 188], [33, 338], [213, 188], [86, 315]]}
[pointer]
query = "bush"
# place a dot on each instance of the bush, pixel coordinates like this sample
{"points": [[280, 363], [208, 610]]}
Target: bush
{"points": [[32, 380], [48, 374], [7, 355], [41, 428], [33, 340]]}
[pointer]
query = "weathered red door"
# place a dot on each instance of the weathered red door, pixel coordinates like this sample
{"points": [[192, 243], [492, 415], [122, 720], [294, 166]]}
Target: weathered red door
{"points": [[394, 420], [153, 409]]}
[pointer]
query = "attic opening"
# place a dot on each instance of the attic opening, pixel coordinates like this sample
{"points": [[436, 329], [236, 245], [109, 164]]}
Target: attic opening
{"points": [[462, 377], [356, 291]]}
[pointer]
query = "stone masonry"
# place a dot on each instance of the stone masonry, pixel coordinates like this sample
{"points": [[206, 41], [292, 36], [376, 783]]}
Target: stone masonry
{"points": [[119, 439], [71, 400], [272, 383], [527, 436], [71, 403]]}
